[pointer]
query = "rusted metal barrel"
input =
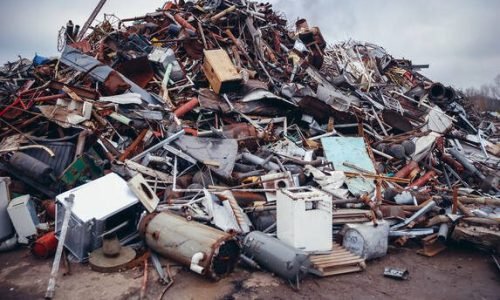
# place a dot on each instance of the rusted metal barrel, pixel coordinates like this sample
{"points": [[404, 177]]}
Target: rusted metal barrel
{"points": [[205, 250]]}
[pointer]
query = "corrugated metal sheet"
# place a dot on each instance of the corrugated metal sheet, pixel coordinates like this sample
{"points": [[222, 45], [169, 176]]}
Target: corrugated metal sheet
{"points": [[64, 154]]}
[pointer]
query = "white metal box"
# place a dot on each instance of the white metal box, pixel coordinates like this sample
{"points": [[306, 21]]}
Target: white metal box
{"points": [[6, 229], [304, 218], [101, 206], [22, 213]]}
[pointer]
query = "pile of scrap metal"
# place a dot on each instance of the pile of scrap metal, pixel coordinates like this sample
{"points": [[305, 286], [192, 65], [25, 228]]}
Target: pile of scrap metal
{"points": [[226, 137]]}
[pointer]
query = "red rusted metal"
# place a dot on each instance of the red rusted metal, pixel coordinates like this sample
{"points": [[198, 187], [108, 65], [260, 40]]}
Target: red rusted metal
{"points": [[49, 98], [50, 208], [187, 107], [183, 22], [191, 131], [452, 163], [130, 149], [245, 199], [239, 131], [45, 246], [424, 179], [408, 170]]}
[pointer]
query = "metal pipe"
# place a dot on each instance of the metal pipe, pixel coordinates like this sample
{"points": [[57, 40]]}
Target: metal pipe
{"points": [[260, 161], [179, 19], [186, 107], [407, 170], [417, 214], [223, 13], [89, 21], [424, 179], [133, 145], [49, 294], [443, 232], [159, 145], [465, 163]]}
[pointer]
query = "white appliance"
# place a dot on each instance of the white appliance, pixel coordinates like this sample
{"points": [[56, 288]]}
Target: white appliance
{"points": [[6, 229], [100, 207], [304, 218], [22, 213]]}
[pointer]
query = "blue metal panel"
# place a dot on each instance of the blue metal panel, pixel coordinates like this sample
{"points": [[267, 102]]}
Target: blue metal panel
{"points": [[352, 150]]}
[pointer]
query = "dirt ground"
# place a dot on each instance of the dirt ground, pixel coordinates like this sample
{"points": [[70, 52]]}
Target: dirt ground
{"points": [[457, 273]]}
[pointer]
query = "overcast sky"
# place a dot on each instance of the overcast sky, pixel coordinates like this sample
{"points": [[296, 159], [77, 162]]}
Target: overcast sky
{"points": [[460, 39]]}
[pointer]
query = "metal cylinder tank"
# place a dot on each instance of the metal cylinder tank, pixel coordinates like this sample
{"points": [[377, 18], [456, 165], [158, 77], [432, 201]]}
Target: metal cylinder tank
{"points": [[367, 240], [276, 256], [207, 251]]}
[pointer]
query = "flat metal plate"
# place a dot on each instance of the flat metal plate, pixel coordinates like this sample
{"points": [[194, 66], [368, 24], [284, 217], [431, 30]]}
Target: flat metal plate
{"points": [[352, 150]]}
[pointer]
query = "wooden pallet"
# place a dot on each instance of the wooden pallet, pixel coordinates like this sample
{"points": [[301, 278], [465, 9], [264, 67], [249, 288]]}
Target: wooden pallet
{"points": [[338, 261]]}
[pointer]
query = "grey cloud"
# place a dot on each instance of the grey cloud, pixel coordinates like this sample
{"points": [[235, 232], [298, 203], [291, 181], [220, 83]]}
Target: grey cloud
{"points": [[458, 38]]}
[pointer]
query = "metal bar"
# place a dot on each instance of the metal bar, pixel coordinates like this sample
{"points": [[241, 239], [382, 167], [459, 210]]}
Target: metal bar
{"points": [[159, 145], [49, 294]]}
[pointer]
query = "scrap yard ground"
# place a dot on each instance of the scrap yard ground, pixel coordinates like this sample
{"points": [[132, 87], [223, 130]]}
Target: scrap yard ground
{"points": [[457, 273]]}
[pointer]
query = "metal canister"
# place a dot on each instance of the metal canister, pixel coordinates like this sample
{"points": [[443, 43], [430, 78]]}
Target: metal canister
{"points": [[274, 255], [205, 250]]}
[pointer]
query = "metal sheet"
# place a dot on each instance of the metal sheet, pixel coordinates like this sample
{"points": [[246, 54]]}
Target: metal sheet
{"points": [[64, 153], [223, 151], [352, 150], [84, 63]]}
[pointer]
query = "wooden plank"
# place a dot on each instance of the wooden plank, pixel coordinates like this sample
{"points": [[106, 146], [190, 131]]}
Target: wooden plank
{"points": [[329, 257], [341, 261], [342, 271]]}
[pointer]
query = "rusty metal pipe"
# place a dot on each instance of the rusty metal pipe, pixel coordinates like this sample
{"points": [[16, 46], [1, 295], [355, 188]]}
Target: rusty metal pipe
{"points": [[424, 179], [437, 220], [457, 166], [223, 13], [187, 107], [133, 146], [179, 19], [50, 97], [408, 170]]}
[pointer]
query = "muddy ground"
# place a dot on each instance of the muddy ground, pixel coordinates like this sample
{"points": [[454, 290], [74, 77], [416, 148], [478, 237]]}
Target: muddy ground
{"points": [[458, 273]]}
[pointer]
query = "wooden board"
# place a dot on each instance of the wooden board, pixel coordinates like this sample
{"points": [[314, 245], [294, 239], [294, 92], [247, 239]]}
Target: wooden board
{"points": [[338, 261]]}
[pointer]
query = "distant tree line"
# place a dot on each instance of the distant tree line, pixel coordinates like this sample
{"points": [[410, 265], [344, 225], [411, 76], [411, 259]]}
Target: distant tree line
{"points": [[486, 97]]}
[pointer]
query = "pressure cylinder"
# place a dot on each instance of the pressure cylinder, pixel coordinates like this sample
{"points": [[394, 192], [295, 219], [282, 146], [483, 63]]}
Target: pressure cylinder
{"points": [[274, 255], [205, 250]]}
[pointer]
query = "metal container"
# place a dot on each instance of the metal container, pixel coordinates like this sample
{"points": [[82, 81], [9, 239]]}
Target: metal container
{"points": [[45, 246], [22, 213], [304, 218], [276, 256], [207, 251], [6, 229], [102, 206], [367, 240]]}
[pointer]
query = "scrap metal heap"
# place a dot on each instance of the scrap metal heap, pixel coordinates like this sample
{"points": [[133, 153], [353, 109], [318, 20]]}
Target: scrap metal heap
{"points": [[217, 114]]}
